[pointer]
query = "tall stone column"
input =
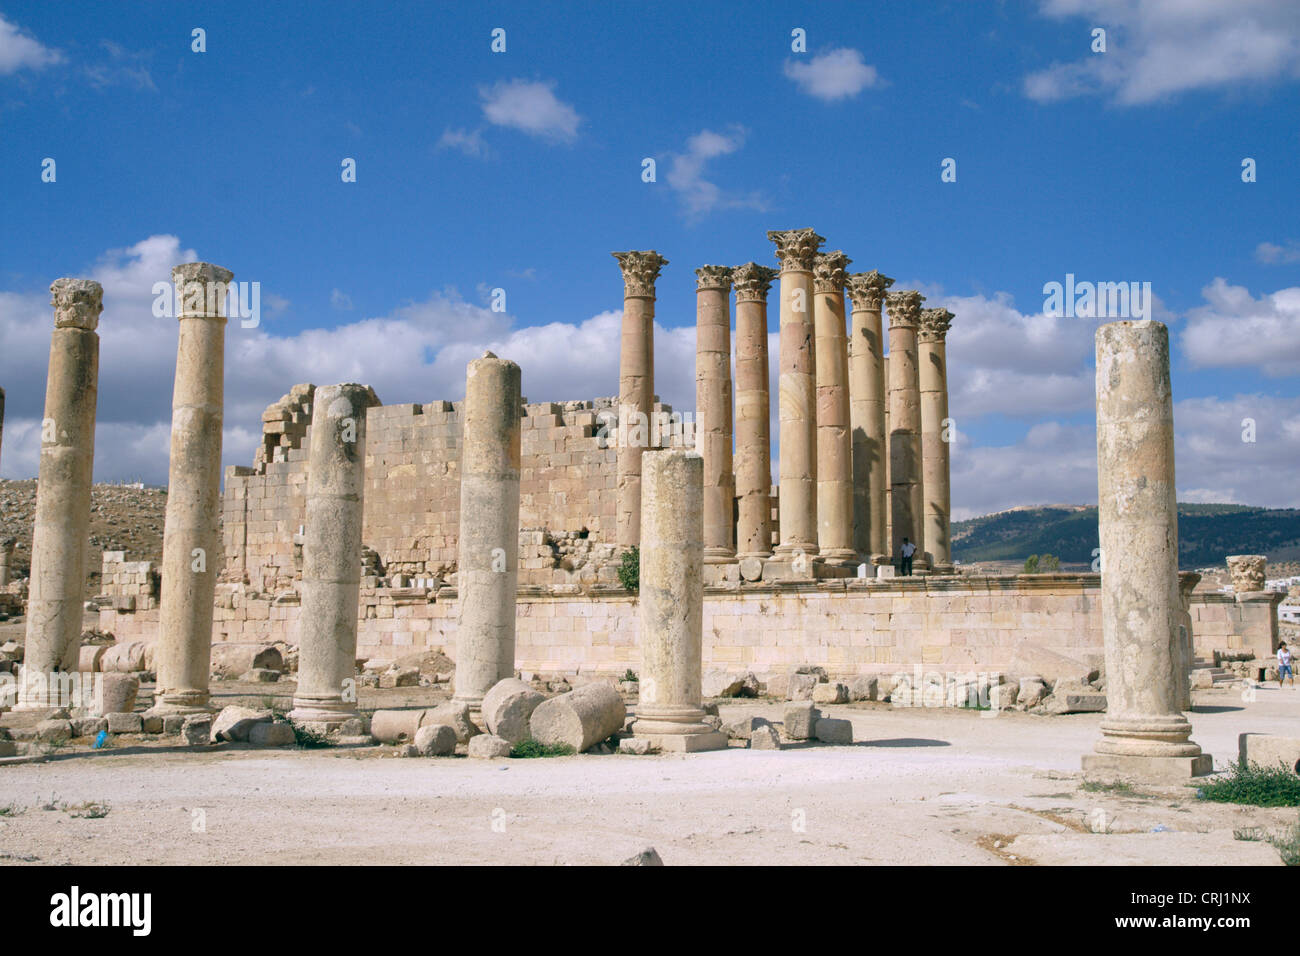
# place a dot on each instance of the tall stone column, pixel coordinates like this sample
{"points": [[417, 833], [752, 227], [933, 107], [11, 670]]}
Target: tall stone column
{"points": [[636, 385], [6, 559], [753, 412], [191, 544], [889, 488], [867, 415], [331, 555], [906, 492], [935, 448], [797, 394], [670, 711], [60, 532], [1144, 733], [488, 571], [713, 409], [834, 438]]}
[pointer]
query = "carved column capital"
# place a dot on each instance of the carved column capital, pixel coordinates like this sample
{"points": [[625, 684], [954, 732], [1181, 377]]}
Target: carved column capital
{"points": [[713, 277], [904, 308], [640, 271], [201, 289], [935, 324], [77, 303], [867, 289], [829, 272], [795, 248], [752, 282]]}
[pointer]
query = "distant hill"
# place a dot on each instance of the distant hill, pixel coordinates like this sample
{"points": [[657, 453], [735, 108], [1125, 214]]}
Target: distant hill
{"points": [[1206, 534]]}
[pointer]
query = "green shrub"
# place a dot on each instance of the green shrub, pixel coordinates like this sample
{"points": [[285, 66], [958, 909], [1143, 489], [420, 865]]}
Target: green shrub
{"points": [[1255, 785], [1031, 564], [527, 749], [629, 570]]}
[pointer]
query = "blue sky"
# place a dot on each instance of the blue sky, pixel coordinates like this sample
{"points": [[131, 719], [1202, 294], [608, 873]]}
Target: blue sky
{"points": [[522, 171]]}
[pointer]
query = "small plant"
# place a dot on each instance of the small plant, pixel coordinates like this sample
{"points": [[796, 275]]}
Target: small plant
{"points": [[631, 676], [527, 749], [1255, 785], [1097, 786], [1049, 564], [10, 809], [629, 569], [1286, 841], [1031, 564], [89, 811]]}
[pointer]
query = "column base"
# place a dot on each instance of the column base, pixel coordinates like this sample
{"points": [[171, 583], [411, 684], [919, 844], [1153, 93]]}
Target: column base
{"points": [[791, 549], [1104, 767], [331, 712], [684, 743], [719, 556], [840, 555], [185, 703]]}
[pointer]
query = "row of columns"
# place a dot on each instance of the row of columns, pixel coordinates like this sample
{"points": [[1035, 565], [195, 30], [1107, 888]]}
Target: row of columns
{"points": [[864, 442]]}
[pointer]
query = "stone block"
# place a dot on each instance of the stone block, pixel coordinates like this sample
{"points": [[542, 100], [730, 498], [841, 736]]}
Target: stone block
{"points": [[88, 726], [864, 688], [435, 740], [234, 723], [1269, 750], [580, 718], [197, 729], [117, 693], [832, 730], [260, 675], [276, 734], [801, 686], [635, 745], [765, 738], [54, 731], [1109, 767], [741, 728], [489, 747], [125, 724], [831, 693], [800, 721]]}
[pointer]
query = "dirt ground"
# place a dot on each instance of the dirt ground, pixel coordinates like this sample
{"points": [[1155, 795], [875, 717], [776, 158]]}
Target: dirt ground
{"points": [[919, 787]]}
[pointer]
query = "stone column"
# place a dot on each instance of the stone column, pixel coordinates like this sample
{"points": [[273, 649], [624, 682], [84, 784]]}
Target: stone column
{"points": [[191, 545], [636, 385], [331, 555], [834, 438], [2, 417], [488, 569], [60, 532], [753, 412], [6, 557], [935, 446], [672, 605], [713, 409], [867, 415], [1145, 733], [906, 491], [797, 395], [889, 491]]}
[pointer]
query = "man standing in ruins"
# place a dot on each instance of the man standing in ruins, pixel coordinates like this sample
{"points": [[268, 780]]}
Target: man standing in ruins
{"points": [[905, 565]]}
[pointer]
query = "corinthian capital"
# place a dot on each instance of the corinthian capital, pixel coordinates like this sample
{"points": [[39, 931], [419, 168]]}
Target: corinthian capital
{"points": [[640, 270], [752, 282], [713, 277], [904, 308], [829, 271], [77, 303], [795, 248], [935, 324], [867, 289]]}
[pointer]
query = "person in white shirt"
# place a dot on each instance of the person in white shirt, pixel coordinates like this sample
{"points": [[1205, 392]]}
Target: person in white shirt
{"points": [[1284, 672], [905, 566]]}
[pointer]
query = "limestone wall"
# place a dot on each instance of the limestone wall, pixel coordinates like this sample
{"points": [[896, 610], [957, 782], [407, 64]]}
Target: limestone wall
{"points": [[412, 504]]}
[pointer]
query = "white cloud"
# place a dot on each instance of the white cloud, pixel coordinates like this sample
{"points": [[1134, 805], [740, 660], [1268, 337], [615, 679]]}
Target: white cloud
{"points": [[19, 50], [471, 143], [1159, 48], [1271, 253], [122, 68], [531, 107], [340, 300], [1235, 330], [833, 75], [685, 175]]}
